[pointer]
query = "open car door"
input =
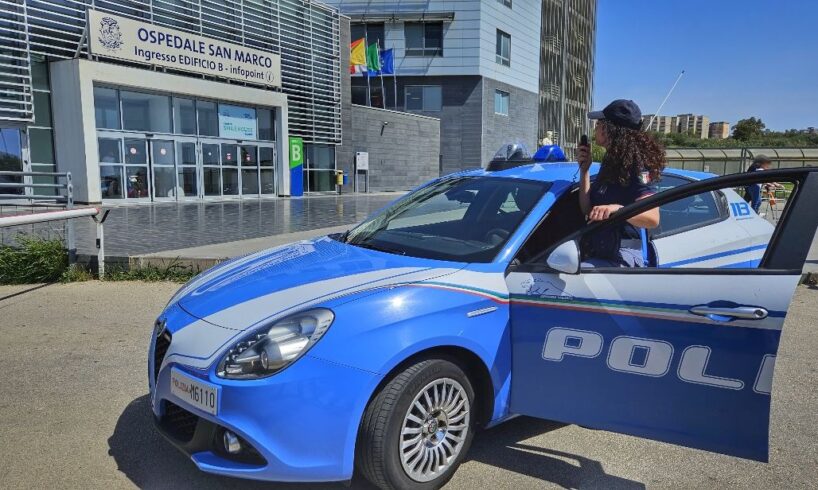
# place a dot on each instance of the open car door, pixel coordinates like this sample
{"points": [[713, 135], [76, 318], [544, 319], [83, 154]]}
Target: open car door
{"points": [[682, 355]]}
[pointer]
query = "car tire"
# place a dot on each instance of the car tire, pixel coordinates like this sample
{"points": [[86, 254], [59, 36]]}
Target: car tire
{"points": [[411, 438]]}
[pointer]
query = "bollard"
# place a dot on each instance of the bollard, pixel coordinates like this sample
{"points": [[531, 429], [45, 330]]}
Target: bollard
{"points": [[101, 243]]}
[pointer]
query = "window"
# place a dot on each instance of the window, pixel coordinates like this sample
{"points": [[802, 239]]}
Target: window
{"points": [[208, 118], [464, 219], [266, 124], [184, 116], [501, 102], [424, 38], [503, 48], [41, 132], [688, 213], [106, 108], [145, 112], [319, 168], [373, 33], [507, 3], [424, 98], [713, 229], [359, 95]]}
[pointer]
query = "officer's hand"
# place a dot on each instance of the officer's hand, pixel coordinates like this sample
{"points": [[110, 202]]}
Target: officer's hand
{"points": [[584, 157], [601, 213]]}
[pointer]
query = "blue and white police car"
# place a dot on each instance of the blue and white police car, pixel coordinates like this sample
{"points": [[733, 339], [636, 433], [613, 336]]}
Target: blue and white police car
{"points": [[465, 303]]}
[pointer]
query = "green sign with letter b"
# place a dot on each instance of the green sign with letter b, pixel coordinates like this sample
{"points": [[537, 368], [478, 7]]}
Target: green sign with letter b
{"points": [[296, 166]]}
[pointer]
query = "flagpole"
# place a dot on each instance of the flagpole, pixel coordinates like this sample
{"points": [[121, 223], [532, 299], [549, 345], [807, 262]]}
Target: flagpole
{"points": [[395, 76], [383, 90], [366, 73]]}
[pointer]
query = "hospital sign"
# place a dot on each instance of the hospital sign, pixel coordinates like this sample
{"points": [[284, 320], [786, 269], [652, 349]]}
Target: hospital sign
{"points": [[141, 42]]}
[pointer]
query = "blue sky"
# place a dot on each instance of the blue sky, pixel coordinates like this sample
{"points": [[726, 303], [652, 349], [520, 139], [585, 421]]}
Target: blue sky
{"points": [[741, 58]]}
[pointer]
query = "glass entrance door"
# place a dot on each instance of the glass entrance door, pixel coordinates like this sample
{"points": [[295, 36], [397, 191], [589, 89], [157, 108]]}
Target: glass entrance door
{"points": [[188, 186], [249, 170], [211, 169], [163, 166], [124, 166], [267, 163], [174, 169], [230, 169]]}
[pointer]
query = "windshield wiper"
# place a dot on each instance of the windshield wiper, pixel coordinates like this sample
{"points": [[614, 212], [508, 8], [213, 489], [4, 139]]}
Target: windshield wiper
{"points": [[379, 249]]}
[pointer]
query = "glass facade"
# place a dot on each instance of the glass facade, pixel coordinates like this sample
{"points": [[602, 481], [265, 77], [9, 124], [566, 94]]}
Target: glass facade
{"points": [[319, 168], [566, 70], [41, 131], [305, 34], [11, 157], [155, 146]]}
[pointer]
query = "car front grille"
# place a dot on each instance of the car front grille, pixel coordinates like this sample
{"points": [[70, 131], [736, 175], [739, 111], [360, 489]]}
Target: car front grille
{"points": [[160, 348], [180, 423]]}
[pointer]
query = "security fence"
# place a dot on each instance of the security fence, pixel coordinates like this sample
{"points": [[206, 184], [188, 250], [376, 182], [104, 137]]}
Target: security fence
{"points": [[723, 161]]}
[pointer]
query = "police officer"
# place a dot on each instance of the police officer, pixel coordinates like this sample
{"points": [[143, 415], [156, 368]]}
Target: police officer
{"points": [[633, 160]]}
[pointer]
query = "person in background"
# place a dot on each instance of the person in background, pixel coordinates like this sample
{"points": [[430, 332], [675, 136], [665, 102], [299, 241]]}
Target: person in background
{"points": [[633, 160], [753, 192]]}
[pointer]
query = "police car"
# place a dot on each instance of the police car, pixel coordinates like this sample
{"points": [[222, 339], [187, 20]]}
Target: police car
{"points": [[384, 349]]}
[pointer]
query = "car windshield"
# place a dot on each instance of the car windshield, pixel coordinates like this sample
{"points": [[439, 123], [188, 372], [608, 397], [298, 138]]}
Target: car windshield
{"points": [[464, 219]]}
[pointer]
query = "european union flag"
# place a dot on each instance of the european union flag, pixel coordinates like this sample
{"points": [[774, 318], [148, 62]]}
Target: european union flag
{"points": [[387, 59], [388, 62]]}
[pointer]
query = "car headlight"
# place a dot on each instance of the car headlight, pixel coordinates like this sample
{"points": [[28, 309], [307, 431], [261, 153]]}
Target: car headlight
{"points": [[272, 348]]}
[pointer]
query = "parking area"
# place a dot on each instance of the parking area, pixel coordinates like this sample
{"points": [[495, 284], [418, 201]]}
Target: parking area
{"points": [[74, 411]]}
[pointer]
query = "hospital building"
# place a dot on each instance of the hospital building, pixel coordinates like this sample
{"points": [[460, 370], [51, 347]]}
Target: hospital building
{"points": [[165, 100]]}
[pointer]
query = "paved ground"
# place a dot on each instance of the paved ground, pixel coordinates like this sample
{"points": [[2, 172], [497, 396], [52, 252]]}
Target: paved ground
{"points": [[74, 411], [140, 229]]}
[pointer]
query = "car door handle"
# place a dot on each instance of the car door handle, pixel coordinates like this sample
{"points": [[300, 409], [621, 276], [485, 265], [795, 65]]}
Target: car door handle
{"points": [[743, 312]]}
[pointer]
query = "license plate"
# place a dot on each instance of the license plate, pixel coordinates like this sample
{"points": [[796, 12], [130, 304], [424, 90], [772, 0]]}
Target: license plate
{"points": [[201, 395]]}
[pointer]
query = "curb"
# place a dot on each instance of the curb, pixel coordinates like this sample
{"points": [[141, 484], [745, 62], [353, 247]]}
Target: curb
{"points": [[196, 264]]}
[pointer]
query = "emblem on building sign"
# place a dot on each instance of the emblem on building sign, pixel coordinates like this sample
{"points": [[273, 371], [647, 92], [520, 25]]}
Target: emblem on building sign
{"points": [[110, 35]]}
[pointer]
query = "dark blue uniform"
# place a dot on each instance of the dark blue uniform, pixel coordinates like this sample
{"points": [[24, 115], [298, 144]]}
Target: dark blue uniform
{"points": [[605, 247]]}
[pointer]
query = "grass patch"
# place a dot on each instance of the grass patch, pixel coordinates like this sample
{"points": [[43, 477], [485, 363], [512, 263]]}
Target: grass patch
{"points": [[171, 273], [76, 273], [36, 260], [33, 260]]}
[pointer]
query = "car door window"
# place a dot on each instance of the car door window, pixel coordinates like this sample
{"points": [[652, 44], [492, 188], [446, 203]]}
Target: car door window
{"points": [[713, 229], [690, 212]]}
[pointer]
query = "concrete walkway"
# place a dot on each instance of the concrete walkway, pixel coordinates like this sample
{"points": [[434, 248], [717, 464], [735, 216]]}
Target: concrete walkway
{"points": [[209, 255], [146, 229]]}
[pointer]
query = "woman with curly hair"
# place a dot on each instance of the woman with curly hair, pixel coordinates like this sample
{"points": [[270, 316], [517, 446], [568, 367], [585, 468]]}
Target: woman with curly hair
{"points": [[633, 160]]}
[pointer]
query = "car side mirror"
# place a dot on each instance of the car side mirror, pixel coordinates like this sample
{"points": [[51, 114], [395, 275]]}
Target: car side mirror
{"points": [[565, 258]]}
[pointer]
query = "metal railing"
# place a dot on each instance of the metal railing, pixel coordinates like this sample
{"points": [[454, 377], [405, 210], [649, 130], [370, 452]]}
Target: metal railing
{"points": [[31, 194], [29, 188]]}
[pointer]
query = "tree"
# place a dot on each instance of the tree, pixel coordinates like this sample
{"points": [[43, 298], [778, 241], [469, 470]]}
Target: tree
{"points": [[748, 129]]}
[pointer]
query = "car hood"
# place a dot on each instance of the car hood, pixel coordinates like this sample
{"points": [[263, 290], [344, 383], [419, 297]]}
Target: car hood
{"points": [[244, 292]]}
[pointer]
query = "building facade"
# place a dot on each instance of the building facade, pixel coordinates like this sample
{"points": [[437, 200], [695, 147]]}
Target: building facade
{"points": [[660, 124], [567, 50], [695, 125], [152, 100], [719, 130], [473, 65]]}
